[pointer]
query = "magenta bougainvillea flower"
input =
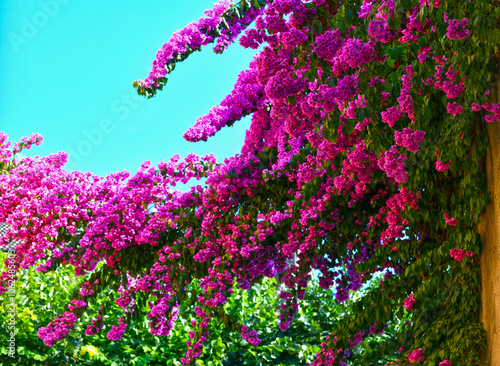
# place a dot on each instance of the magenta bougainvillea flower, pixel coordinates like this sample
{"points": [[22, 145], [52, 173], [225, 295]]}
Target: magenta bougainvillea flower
{"points": [[441, 167], [409, 302], [416, 356], [450, 220], [460, 254]]}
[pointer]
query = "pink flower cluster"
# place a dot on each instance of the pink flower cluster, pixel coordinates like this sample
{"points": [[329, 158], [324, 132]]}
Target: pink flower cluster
{"points": [[392, 163], [244, 99], [492, 108], [58, 329], [460, 254], [235, 25], [391, 116], [409, 302], [416, 356], [380, 31], [409, 139], [454, 108], [441, 167], [456, 29], [328, 45], [7, 152], [450, 220]]}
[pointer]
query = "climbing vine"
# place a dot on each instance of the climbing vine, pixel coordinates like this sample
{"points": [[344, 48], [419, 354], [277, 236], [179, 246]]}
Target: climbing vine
{"points": [[364, 157]]}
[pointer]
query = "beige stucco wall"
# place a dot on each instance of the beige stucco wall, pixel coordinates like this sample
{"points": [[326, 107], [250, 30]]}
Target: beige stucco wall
{"points": [[489, 230]]}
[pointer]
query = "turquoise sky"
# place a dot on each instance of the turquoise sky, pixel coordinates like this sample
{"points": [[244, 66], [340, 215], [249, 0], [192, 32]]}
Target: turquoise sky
{"points": [[66, 72]]}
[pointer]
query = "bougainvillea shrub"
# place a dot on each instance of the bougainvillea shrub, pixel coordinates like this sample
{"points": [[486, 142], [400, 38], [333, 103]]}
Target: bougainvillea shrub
{"points": [[364, 156]]}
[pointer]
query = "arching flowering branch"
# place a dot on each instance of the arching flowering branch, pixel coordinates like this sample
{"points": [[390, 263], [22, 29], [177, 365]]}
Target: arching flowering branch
{"points": [[223, 23]]}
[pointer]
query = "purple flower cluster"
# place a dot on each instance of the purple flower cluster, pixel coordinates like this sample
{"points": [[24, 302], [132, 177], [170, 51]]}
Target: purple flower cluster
{"points": [[380, 31], [358, 338], [234, 28], [328, 44], [454, 108], [251, 337], [392, 163], [117, 331], [456, 29], [409, 139], [57, 329], [391, 115]]}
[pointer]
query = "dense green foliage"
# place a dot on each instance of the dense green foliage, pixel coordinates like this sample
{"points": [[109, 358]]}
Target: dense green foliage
{"points": [[39, 296]]}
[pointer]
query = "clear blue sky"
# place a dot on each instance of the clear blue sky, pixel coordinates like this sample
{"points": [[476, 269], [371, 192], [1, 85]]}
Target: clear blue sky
{"points": [[66, 72]]}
